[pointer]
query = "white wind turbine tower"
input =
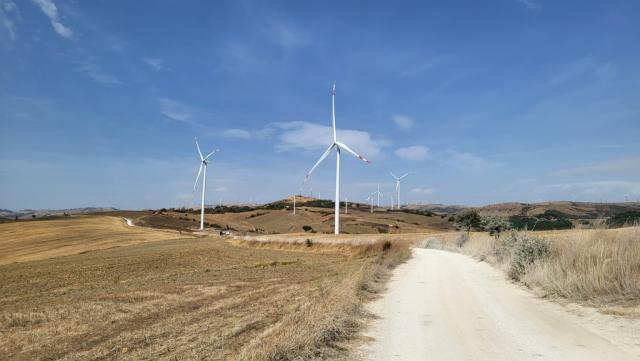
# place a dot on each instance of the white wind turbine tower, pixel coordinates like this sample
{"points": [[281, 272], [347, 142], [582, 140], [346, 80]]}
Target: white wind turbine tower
{"points": [[204, 161], [370, 199], [339, 146], [379, 195], [398, 179]]}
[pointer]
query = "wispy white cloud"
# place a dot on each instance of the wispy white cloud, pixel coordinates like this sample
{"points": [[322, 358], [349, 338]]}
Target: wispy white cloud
{"points": [[9, 17], [468, 162], [421, 190], [237, 133], [624, 166], [176, 110], [531, 5], [404, 122], [608, 189], [49, 8], [413, 153], [156, 64], [287, 35], [584, 67], [299, 135], [247, 134], [221, 189], [97, 74]]}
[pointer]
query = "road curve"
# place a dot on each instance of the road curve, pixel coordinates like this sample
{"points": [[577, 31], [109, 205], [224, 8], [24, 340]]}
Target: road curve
{"points": [[447, 306]]}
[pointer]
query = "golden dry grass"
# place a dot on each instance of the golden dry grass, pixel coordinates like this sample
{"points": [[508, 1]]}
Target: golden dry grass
{"points": [[36, 240], [600, 267], [190, 298]]}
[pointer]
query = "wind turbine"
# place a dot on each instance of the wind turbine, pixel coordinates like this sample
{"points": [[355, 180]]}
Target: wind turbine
{"points": [[204, 161], [398, 179], [370, 199], [339, 146], [378, 194]]}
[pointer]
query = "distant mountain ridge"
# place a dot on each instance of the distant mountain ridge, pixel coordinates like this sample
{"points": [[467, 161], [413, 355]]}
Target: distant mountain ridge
{"points": [[28, 213], [572, 210]]}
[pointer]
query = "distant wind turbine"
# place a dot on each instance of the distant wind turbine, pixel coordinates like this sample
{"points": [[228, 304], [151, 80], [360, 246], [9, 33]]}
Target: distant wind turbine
{"points": [[370, 199], [398, 179], [204, 161], [339, 146], [379, 195]]}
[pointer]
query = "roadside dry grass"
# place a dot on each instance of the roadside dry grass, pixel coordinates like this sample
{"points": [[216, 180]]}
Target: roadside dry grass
{"points": [[191, 298], [598, 267]]}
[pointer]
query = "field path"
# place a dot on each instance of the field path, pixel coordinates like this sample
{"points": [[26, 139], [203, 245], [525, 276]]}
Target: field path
{"points": [[447, 306]]}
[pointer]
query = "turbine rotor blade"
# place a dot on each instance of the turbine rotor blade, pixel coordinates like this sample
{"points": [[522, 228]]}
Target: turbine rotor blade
{"points": [[406, 174], [197, 178], [212, 153], [322, 157], [344, 146], [393, 175], [199, 152]]}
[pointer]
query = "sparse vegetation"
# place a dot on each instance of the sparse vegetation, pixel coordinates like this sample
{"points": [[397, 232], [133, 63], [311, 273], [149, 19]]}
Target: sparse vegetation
{"points": [[307, 228], [549, 220], [629, 218], [417, 211], [319, 203]]}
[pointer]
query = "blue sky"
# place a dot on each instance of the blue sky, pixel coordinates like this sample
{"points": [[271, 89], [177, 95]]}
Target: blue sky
{"points": [[492, 101]]}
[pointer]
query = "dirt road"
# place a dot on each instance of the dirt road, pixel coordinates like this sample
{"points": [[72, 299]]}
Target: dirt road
{"points": [[447, 306]]}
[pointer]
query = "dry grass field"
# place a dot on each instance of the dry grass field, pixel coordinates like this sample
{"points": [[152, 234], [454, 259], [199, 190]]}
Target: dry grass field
{"points": [[37, 240], [598, 267], [139, 295]]}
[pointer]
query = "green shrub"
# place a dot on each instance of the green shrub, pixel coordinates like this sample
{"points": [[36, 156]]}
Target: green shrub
{"points": [[467, 220], [522, 250], [495, 225]]}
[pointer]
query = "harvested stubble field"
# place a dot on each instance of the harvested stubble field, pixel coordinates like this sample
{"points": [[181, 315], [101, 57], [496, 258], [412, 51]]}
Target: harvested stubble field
{"points": [[189, 298], [37, 240]]}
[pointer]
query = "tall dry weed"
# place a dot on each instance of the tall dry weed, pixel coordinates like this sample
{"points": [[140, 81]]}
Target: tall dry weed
{"points": [[597, 266]]}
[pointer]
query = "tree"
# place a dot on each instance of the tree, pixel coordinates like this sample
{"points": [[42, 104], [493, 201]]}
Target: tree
{"points": [[467, 220], [495, 225]]}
